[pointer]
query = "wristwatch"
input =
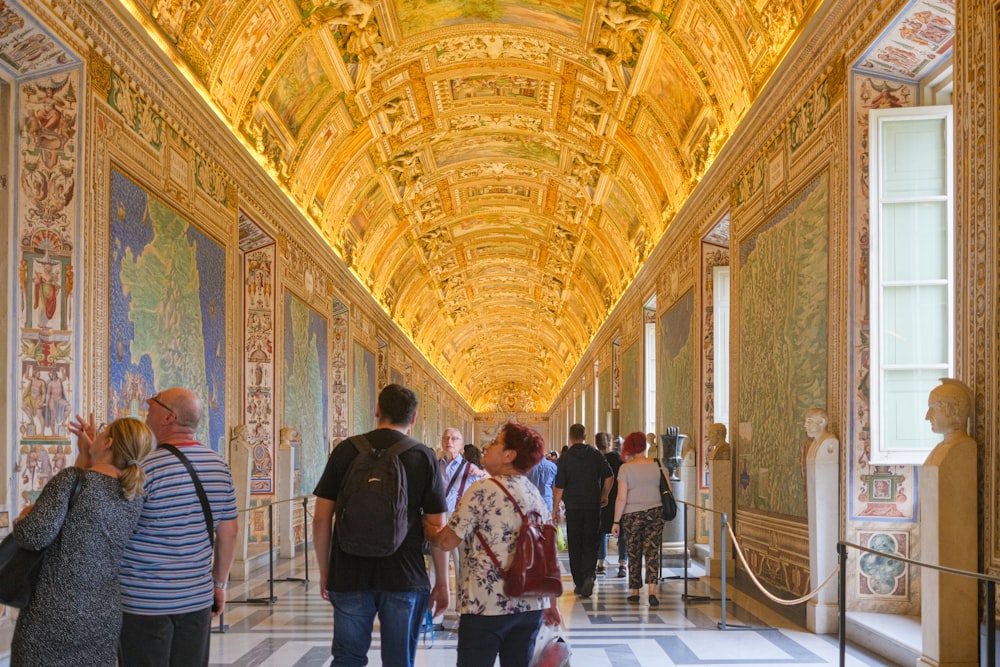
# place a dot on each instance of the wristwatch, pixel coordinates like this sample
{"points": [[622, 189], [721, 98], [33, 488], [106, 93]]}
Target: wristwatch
{"points": [[221, 585]]}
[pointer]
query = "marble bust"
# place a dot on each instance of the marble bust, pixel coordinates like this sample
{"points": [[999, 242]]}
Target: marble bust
{"points": [[816, 424], [948, 408], [718, 448]]}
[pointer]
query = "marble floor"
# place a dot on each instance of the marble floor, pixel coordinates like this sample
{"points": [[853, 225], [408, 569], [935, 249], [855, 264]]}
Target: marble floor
{"points": [[296, 627]]}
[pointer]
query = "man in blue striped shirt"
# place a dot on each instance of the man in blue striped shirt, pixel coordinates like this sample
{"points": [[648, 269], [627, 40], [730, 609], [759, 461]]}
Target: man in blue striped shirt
{"points": [[173, 580]]}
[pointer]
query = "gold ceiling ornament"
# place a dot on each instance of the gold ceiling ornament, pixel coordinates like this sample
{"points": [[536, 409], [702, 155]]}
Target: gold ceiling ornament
{"points": [[494, 174]]}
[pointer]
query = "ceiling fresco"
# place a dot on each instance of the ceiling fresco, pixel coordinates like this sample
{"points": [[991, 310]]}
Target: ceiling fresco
{"points": [[494, 171]]}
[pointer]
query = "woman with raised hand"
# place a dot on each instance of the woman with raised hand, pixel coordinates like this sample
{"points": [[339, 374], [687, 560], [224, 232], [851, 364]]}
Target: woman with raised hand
{"points": [[491, 622], [639, 515], [74, 615]]}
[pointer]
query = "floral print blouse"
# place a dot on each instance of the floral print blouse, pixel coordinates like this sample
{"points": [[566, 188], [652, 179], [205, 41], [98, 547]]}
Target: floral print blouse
{"points": [[486, 508]]}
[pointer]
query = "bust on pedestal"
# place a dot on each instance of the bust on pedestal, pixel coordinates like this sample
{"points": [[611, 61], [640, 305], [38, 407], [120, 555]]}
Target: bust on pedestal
{"points": [[285, 512], [949, 532], [822, 461], [720, 476]]}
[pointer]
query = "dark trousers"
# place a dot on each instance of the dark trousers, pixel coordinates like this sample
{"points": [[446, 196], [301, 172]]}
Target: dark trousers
{"points": [[511, 636], [583, 538], [173, 640]]}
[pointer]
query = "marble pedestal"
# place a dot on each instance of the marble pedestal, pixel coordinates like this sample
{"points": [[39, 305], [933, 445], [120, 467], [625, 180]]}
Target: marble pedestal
{"points": [[284, 513], [949, 535], [823, 498], [721, 478]]}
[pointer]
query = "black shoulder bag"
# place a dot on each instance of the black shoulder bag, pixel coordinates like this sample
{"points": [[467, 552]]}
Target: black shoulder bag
{"points": [[20, 567], [666, 496]]}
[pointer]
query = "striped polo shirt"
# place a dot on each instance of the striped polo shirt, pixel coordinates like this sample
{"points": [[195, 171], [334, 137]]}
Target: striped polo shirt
{"points": [[167, 566]]}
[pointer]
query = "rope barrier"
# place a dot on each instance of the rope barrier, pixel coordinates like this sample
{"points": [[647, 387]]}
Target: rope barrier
{"points": [[760, 586]]}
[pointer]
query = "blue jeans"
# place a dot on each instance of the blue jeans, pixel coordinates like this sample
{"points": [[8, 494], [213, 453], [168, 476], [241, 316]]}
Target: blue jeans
{"points": [[602, 552], [399, 617], [512, 636]]}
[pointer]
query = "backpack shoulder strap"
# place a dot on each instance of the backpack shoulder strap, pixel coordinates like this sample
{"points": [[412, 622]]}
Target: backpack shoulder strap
{"points": [[361, 443], [404, 444]]}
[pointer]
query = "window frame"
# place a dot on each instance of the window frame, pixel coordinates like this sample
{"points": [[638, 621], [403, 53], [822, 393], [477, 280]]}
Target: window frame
{"points": [[880, 454]]}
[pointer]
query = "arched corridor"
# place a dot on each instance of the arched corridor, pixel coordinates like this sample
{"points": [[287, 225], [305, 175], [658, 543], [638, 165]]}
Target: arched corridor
{"points": [[637, 216]]}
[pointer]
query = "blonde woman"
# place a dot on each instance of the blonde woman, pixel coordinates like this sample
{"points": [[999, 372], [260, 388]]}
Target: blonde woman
{"points": [[639, 514], [74, 615]]}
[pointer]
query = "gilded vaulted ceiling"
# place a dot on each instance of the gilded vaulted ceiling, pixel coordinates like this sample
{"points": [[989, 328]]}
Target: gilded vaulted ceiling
{"points": [[494, 171]]}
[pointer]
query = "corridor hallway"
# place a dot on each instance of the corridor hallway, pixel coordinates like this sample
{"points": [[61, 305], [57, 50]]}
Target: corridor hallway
{"points": [[605, 630]]}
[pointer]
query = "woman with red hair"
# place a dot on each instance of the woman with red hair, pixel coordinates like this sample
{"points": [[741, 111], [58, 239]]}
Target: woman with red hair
{"points": [[491, 622], [639, 513]]}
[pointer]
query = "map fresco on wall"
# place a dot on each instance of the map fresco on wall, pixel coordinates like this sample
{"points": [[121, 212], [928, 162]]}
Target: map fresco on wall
{"points": [[675, 386], [364, 389], [632, 404], [305, 389], [168, 308], [782, 350]]}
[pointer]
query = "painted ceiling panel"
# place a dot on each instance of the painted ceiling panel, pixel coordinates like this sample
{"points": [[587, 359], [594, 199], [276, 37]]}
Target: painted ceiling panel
{"points": [[494, 171]]}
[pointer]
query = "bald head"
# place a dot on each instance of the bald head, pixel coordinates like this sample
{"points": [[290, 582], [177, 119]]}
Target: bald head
{"points": [[173, 413]]}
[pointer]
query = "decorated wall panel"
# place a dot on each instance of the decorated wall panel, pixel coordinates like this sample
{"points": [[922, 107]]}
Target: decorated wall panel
{"points": [[45, 233], [306, 401], [168, 308], [258, 356], [782, 290], [712, 256], [339, 403]]}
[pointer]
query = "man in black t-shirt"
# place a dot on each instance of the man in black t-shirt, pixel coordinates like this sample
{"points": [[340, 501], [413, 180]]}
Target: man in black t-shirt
{"points": [[583, 482], [395, 587]]}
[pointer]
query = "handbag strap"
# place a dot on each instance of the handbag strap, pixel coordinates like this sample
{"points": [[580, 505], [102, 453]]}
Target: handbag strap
{"points": [[482, 540], [663, 473], [205, 507]]}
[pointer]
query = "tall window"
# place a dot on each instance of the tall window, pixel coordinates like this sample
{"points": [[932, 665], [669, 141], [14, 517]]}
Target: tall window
{"points": [[720, 342], [649, 338], [912, 275]]}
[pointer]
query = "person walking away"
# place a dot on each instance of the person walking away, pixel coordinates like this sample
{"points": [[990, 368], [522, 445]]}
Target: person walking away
{"points": [[583, 482], [394, 587], [639, 514]]}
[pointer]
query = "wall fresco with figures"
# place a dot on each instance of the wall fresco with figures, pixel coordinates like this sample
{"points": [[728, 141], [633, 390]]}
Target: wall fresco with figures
{"points": [[168, 308], [45, 232], [339, 403], [783, 290], [258, 355]]}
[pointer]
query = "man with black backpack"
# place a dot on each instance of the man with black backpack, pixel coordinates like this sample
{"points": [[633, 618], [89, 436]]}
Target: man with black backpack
{"points": [[380, 485]]}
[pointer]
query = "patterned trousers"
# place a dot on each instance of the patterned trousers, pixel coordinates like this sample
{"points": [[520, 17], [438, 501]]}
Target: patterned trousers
{"points": [[643, 535]]}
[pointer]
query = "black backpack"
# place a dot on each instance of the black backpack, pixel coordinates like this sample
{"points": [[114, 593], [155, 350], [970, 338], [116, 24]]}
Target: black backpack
{"points": [[372, 516]]}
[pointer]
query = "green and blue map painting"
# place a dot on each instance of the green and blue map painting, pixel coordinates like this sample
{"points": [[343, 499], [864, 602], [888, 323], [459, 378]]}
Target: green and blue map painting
{"points": [[168, 308], [306, 360]]}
